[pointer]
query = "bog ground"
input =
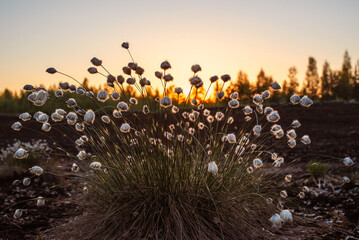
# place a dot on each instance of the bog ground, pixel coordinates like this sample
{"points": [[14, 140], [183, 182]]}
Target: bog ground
{"points": [[329, 211]]}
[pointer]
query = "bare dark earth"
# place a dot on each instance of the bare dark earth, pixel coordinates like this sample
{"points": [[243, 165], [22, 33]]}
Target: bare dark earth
{"points": [[328, 212]]}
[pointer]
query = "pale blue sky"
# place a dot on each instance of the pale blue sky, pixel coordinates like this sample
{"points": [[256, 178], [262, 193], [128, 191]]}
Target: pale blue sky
{"points": [[221, 36]]}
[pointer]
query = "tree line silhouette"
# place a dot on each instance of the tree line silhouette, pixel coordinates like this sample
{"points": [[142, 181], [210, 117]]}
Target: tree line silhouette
{"points": [[331, 85]]}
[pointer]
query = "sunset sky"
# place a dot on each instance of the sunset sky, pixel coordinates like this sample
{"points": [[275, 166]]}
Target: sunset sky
{"points": [[221, 36]]}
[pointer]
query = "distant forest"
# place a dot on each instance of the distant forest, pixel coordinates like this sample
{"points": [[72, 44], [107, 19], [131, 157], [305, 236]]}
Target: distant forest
{"points": [[330, 85]]}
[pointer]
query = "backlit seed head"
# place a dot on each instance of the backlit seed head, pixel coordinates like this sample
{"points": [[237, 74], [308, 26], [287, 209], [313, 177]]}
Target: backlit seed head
{"points": [[219, 116], [85, 138], [274, 156], [121, 79], [210, 118], [175, 109], [16, 126], [247, 118], [292, 143], [92, 70], [291, 134], [212, 168], [81, 155], [43, 118], [178, 90], [257, 163], [21, 154], [276, 221], [206, 112], [268, 110], [79, 142], [305, 139], [81, 90], [275, 86], [234, 95], [56, 117], [145, 109], [196, 68], [283, 194], [195, 81], [125, 45], [59, 93], [286, 216], [102, 96], [294, 99], [36, 170], [346, 179], [220, 95], [140, 70], [95, 61], [305, 189], [230, 120], [46, 127], [231, 138], [295, 124], [165, 65], [71, 118], [306, 101], [26, 182], [185, 115], [25, 116], [168, 77], [348, 161], [288, 178], [158, 74], [18, 213], [105, 119], [201, 125], [40, 201], [133, 101], [233, 103], [257, 130], [225, 78], [132, 65], [249, 170], [89, 117], [275, 128], [51, 70], [247, 110], [194, 102], [90, 94], [301, 195], [273, 117], [180, 138], [125, 128], [257, 99], [28, 88], [213, 78], [95, 165], [278, 162], [265, 94], [166, 102], [253, 146], [259, 108], [131, 81], [122, 106], [191, 131], [115, 96]]}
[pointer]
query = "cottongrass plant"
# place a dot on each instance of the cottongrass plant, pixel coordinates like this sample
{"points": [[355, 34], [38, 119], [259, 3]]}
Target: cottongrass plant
{"points": [[176, 171]]}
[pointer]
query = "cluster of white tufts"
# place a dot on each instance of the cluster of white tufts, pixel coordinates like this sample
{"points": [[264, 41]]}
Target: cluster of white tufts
{"points": [[210, 140]]}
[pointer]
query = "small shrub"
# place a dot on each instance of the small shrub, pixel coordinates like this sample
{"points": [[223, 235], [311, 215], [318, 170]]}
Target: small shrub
{"points": [[317, 169]]}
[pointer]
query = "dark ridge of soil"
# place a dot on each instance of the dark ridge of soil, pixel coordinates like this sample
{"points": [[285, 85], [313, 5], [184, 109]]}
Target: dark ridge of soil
{"points": [[332, 127]]}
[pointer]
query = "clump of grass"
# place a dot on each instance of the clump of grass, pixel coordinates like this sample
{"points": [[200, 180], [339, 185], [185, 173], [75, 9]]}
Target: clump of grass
{"points": [[317, 169], [177, 169]]}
